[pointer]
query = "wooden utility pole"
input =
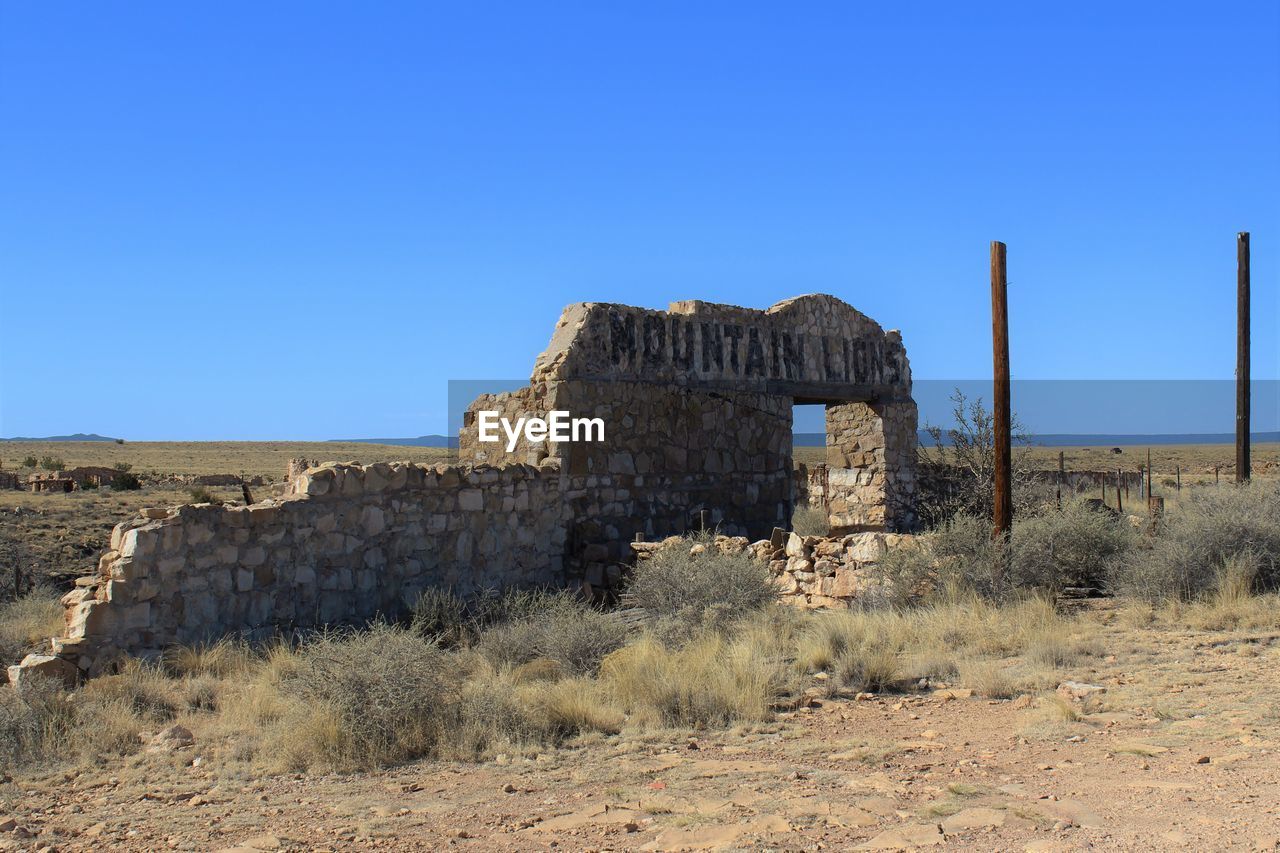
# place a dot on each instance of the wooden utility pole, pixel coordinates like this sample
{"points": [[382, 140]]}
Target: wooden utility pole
{"points": [[1003, 515], [1242, 356]]}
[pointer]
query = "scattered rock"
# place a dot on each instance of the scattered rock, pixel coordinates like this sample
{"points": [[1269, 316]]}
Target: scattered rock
{"points": [[172, 739], [1078, 691]]}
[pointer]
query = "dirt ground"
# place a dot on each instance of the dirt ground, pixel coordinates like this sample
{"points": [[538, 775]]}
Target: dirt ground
{"points": [[1179, 752]]}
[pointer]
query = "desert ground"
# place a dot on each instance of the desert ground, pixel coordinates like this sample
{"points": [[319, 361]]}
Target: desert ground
{"points": [[1179, 751], [1126, 723]]}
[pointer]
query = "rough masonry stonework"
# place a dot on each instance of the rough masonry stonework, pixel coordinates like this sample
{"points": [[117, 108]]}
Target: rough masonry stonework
{"points": [[696, 402]]}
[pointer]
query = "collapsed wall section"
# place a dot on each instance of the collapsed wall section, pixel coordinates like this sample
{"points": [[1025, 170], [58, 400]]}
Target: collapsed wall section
{"points": [[350, 543]]}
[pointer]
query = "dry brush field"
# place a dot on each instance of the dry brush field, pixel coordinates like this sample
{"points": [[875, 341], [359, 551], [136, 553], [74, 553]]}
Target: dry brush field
{"points": [[952, 713]]}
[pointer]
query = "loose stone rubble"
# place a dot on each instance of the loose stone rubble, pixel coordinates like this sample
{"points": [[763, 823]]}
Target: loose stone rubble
{"points": [[696, 403], [810, 572]]}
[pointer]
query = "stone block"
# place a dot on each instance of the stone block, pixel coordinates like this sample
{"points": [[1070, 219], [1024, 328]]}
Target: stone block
{"points": [[35, 667]]}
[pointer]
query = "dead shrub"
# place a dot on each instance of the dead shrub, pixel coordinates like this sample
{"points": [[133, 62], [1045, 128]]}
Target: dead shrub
{"points": [[567, 630], [810, 521], [141, 687], [987, 680], [366, 699], [673, 579], [868, 668], [441, 615], [33, 721], [220, 659]]}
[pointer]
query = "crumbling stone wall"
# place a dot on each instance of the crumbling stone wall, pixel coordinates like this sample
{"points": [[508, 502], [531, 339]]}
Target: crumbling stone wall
{"points": [[697, 408], [696, 402], [348, 544], [811, 572]]}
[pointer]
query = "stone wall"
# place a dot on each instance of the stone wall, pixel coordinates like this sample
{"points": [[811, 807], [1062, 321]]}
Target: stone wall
{"points": [[871, 461], [696, 402], [348, 544]]}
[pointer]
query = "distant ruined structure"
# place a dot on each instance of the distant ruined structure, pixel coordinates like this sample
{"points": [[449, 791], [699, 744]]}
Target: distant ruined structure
{"points": [[696, 402]]}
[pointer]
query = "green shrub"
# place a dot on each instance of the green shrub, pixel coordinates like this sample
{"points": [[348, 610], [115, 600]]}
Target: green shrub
{"points": [[673, 580], [30, 462], [1197, 541], [126, 482], [1074, 546], [201, 495], [52, 463]]}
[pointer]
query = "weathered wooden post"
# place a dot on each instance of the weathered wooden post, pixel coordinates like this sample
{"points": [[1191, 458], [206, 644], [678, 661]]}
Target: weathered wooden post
{"points": [[1242, 357], [1151, 480], [1120, 478], [1177, 472], [1062, 475], [1119, 502], [1003, 511]]}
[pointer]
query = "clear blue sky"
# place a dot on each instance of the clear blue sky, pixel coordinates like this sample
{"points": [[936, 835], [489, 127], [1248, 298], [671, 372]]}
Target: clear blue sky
{"points": [[299, 220]]}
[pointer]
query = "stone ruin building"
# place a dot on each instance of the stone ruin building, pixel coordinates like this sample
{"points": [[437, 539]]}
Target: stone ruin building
{"points": [[697, 407]]}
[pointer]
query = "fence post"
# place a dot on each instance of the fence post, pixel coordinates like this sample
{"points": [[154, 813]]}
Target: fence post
{"points": [[1062, 475], [1151, 480]]}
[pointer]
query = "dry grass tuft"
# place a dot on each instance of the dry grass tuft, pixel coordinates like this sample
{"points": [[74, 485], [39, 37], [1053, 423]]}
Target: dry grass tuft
{"points": [[27, 623], [988, 680], [711, 681]]}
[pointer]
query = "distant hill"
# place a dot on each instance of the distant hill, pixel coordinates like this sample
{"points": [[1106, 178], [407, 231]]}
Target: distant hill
{"points": [[80, 436], [420, 441], [817, 439]]}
